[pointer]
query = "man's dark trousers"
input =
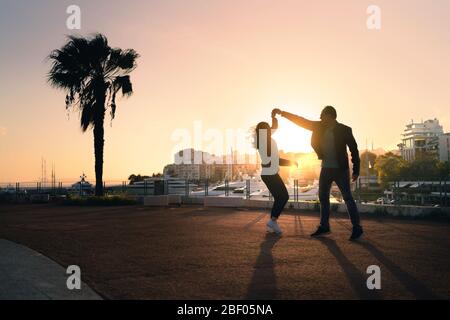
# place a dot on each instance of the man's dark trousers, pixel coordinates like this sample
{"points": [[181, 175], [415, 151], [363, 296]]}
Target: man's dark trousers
{"points": [[342, 179]]}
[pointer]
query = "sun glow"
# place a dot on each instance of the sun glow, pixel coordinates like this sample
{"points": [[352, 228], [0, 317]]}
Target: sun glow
{"points": [[292, 138]]}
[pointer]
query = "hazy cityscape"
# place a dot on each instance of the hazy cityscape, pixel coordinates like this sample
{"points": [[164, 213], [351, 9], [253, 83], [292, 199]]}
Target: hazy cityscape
{"points": [[423, 144]]}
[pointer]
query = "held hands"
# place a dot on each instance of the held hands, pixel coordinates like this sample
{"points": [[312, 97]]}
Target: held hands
{"points": [[275, 112]]}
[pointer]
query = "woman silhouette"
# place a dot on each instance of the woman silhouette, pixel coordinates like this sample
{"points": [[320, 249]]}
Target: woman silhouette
{"points": [[270, 162]]}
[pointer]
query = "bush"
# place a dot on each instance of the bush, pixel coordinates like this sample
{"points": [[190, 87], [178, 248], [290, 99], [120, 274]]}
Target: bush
{"points": [[6, 198], [99, 201]]}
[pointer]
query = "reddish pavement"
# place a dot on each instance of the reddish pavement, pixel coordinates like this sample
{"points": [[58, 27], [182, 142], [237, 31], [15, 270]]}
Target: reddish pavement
{"points": [[137, 252]]}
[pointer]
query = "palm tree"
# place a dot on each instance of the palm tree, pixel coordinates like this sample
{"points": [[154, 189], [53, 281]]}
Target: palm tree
{"points": [[92, 73]]}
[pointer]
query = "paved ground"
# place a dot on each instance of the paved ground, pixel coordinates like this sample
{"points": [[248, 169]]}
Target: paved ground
{"points": [[27, 274], [204, 253]]}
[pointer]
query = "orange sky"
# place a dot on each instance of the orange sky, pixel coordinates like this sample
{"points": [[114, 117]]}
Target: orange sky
{"points": [[227, 64]]}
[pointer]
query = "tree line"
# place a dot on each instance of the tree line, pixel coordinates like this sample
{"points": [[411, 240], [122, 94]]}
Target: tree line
{"points": [[390, 167]]}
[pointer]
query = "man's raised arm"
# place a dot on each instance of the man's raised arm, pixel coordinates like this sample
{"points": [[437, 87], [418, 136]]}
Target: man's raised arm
{"points": [[300, 121]]}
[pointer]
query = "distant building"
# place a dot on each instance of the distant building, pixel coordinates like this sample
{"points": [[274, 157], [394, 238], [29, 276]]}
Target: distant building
{"points": [[444, 147], [185, 171], [369, 182], [198, 165], [420, 137]]}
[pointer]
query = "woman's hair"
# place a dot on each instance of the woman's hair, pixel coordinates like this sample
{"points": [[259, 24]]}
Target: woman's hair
{"points": [[263, 126]]}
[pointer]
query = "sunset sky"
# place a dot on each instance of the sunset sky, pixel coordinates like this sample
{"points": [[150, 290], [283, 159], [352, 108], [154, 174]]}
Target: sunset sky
{"points": [[225, 63]]}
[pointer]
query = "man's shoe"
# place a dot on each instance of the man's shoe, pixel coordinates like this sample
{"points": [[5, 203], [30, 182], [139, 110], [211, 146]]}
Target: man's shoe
{"points": [[321, 231], [272, 226], [356, 233]]}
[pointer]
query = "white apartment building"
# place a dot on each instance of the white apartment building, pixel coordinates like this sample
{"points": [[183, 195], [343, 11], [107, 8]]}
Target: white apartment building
{"points": [[419, 137]]}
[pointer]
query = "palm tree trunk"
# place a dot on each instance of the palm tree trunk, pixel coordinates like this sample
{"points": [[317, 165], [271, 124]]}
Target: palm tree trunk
{"points": [[99, 133], [98, 150]]}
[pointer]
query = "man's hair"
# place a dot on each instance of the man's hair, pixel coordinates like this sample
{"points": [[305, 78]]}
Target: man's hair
{"points": [[329, 110]]}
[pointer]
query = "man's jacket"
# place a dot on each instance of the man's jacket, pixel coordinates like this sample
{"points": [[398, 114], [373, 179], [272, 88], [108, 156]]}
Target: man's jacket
{"points": [[343, 137]]}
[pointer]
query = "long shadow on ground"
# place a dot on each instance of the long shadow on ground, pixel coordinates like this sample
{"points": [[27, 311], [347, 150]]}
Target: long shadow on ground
{"points": [[263, 284], [417, 288], [356, 278]]}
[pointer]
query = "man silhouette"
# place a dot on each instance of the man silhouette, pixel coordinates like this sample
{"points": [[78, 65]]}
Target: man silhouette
{"points": [[330, 140]]}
